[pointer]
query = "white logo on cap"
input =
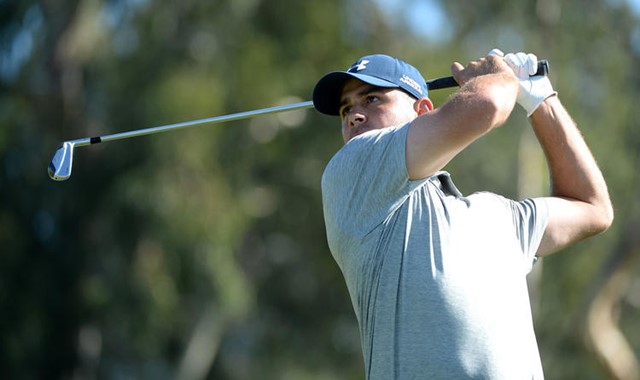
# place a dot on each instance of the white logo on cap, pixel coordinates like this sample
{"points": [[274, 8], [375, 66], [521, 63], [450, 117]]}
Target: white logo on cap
{"points": [[411, 83], [361, 65]]}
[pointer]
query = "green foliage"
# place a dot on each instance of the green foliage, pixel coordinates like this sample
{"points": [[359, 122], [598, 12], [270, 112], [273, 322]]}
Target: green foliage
{"points": [[202, 253]]}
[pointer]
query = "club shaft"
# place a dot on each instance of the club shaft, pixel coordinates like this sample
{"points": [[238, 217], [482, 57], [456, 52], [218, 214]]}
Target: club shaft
{"points": [[210, 120]]}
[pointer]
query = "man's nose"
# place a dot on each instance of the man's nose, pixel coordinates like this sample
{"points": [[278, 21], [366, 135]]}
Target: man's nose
{"points": [[357, 117]]}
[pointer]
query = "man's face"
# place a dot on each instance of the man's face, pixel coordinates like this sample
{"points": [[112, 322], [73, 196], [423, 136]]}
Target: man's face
{"points": [[364, 108]]}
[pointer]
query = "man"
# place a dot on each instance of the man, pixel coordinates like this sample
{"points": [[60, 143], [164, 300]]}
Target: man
{"points": [[438, 280]]}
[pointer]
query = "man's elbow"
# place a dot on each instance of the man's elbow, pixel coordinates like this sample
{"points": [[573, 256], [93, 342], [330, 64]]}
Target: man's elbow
{"points": [[603, 216]]}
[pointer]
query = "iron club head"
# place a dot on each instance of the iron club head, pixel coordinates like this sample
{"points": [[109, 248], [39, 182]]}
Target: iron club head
{"points": [[60, 166]]}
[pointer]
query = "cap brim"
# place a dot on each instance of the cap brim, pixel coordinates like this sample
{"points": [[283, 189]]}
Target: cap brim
{"points": [[328, 90]]}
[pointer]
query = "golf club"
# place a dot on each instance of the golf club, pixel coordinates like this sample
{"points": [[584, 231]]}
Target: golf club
{"points": [[60, 167]]}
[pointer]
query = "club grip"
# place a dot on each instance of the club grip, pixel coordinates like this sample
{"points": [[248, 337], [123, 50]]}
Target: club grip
{"points": [[448, 82]]}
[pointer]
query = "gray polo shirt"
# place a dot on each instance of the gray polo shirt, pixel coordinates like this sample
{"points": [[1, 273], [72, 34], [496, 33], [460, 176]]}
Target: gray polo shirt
{"points": [[437, 280]]}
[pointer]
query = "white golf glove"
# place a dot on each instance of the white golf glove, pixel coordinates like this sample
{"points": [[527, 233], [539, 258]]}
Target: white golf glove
{"points": [[533, 90]]}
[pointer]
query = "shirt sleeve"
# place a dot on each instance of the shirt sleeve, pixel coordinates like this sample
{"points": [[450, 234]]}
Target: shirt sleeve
{"points": [[530, 218], [509, 225]]}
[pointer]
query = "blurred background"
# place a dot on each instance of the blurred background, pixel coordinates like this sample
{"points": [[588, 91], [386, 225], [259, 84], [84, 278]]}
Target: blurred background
{"points": [[201, 254]]}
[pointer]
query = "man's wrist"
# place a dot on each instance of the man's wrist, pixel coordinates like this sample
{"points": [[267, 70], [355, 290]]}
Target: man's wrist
{"points": [[533, 92], [545, 106]]}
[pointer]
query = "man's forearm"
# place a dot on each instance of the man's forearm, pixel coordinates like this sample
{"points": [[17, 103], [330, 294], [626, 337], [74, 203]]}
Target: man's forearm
{"points": [[573, 170]]}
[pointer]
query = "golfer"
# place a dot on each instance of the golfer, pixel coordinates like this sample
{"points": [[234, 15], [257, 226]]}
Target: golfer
{"points": [[437, 279]]}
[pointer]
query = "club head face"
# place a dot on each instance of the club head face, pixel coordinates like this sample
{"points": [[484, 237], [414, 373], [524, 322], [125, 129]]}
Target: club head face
{"points": [[60, 166]]}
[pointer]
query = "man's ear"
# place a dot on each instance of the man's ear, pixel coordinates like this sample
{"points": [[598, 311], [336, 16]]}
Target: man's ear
{"points": [[423, 105]]}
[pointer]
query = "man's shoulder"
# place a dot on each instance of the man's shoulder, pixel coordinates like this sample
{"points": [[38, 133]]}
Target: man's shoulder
{"points": [[367, 148], [370, 142]]}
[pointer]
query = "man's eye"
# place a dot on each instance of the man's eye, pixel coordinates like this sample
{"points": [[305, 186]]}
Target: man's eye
{"points": [[345, 110], [372, 98]]}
